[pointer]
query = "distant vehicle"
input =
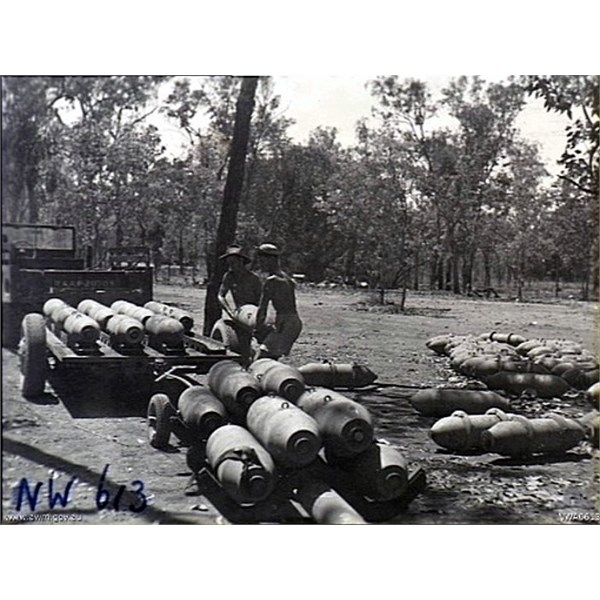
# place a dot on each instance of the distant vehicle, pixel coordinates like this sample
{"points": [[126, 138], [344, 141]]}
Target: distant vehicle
{"points": [[40, 262]]}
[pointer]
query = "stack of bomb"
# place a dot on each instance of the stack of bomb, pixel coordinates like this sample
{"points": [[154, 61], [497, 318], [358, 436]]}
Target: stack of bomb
{"points": [[509, 434], [164, 333], [184, 317], [124, 331], [511, 363], [277, 421], [82, 331], [377, 470]]}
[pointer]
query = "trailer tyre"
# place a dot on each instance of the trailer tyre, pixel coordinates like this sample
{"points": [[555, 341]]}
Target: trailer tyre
{"points": [[32, 353], [224, 332], [160, 411]]}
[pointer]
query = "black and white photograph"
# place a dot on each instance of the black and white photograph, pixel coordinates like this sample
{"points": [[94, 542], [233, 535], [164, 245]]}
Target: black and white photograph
{"points": [[299, 300], [269, 270]]}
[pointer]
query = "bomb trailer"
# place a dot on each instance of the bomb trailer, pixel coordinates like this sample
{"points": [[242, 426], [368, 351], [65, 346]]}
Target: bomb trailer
{"points": [[74, 323]]}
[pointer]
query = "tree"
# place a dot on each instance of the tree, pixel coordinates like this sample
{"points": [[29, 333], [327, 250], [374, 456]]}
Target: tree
{"points": [[577, 97], [81, 150], [452, 170], [29, 131], [231, 196]]}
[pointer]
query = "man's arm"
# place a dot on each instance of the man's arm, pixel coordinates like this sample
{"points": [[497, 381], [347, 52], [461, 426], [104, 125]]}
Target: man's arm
{"points": [[224, 289], [261, 313]]}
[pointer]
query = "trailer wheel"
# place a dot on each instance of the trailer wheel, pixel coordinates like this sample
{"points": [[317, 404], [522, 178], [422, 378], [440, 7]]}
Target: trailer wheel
{"points": [[160, 411], [32, 353], [224, 332]]}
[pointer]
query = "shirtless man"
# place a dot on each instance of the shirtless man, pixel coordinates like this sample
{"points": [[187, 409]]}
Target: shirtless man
{"points": [[279, 289], [244, 288]]}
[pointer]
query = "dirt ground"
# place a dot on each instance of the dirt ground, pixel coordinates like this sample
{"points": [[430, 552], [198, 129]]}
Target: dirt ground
{"points": [[49, 442]]}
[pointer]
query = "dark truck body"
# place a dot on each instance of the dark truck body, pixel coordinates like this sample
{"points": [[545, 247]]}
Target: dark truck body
{"points": [[40, 262]]}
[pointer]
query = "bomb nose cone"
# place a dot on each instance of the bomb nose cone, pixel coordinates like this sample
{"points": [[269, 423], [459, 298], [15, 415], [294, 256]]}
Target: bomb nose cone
{"points": [[446, 431], [364, 376]]}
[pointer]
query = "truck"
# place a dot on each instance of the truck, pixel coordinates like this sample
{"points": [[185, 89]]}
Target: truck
{"points": [[40, 264], [42, 261]]}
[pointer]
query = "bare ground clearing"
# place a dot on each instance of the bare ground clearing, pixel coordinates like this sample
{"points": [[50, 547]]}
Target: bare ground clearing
{"points": [[42, 440]]}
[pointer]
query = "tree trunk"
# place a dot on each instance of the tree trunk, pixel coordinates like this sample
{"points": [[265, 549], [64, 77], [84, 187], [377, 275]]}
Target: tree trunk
{"points": [[231, 196], [440, 273], [180, 252], [433, 271], [416, 270], [487, 272], [455, 273], [34, 208]]}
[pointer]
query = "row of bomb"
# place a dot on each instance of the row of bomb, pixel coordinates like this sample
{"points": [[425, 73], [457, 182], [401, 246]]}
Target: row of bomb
{"points": [[513, 435], [256, 424], [475, 420], [466, 414], [513, 364], [125, 323]]}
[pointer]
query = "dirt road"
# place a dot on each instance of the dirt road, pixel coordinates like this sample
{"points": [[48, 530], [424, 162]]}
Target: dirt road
{"points": [[48, 443]]}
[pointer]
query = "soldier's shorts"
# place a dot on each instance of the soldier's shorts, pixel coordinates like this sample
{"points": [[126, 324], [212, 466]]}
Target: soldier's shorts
{"points": [[280, 341]]}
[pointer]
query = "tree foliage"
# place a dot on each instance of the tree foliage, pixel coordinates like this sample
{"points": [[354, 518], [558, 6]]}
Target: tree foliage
{"points": [[437, 191]]}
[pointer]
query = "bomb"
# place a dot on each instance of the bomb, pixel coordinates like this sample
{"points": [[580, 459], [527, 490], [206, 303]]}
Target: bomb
{"points": [[439, 343], [220, 370], [81, 329], [259, 367], [593, 394], [325, 505], [332, 375], [245, 315], [279, 379], [164, 332], [201, 411], [289, 434], [519, 436], [438, 402], [234, 386], [52, 305], [97, 311], [591, 424], [506, 338], [461, 432], [545, 386], [180, 315], [345, 425], [132, 310], [379, 473], [479, 366], [243, 467], [125, 331]]}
